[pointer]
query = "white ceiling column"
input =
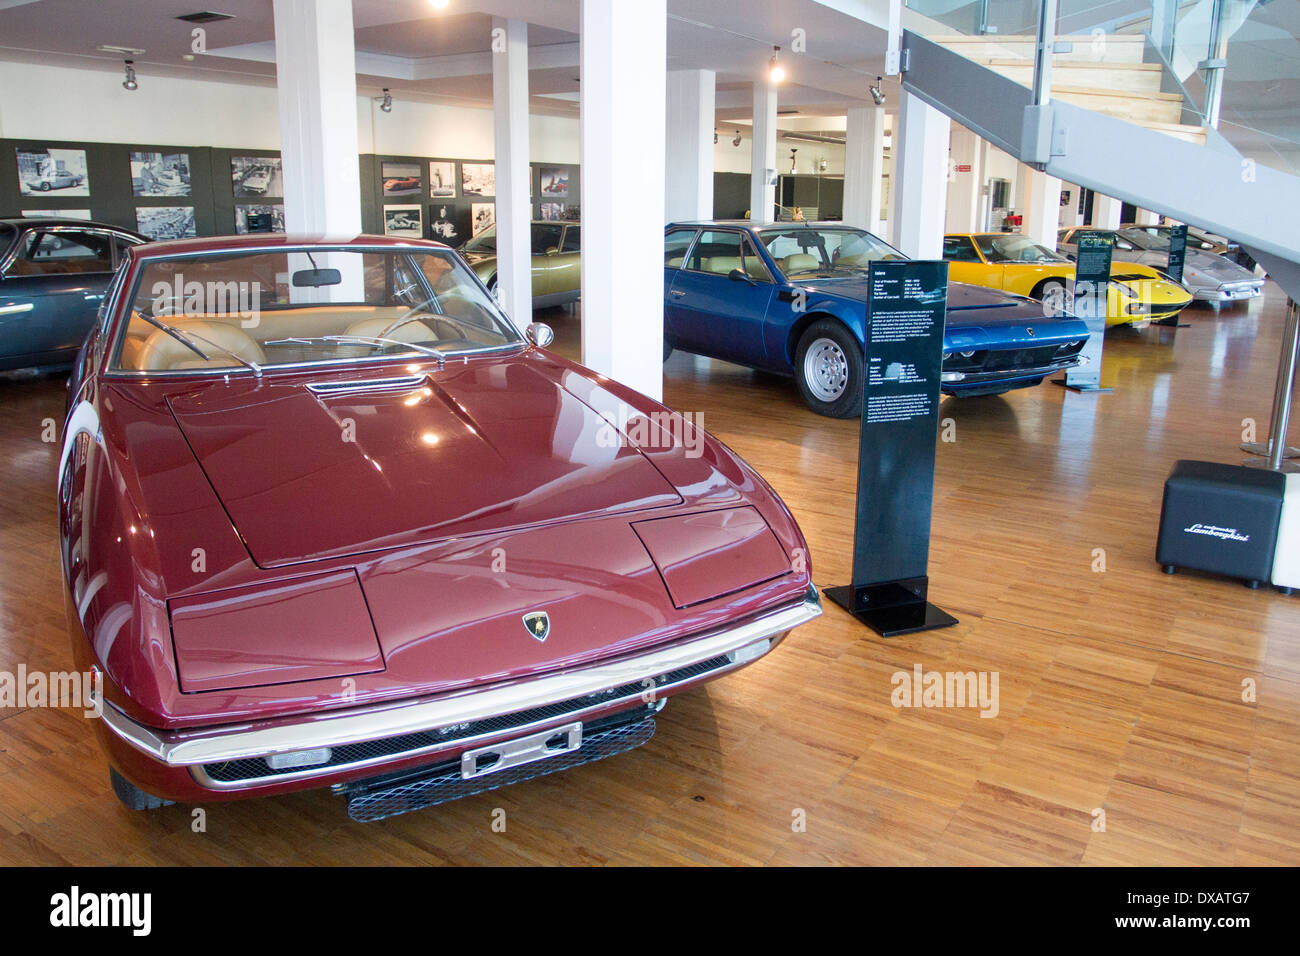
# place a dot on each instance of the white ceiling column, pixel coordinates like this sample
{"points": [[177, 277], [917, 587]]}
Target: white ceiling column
{"points": [[1146, 217], [314, 57], [864, 167], [689, 145], [965, 181], [920, 178], [1040, 204], [1106, 211], [513, 174], [762, 157], [624, 79], [1072, 216]]}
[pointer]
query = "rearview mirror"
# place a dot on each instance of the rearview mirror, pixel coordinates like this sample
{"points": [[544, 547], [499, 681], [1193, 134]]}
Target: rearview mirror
{"points": [[739, 275], [540, 334], [314, 278]]}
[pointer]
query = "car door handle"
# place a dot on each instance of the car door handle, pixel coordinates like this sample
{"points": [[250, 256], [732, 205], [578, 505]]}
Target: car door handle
{"points": [[91, 296], [678, 293]]}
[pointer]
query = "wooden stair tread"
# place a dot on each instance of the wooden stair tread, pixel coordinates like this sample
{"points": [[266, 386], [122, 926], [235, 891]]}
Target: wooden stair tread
{"points": [[1076, 65], [1090, 91]]}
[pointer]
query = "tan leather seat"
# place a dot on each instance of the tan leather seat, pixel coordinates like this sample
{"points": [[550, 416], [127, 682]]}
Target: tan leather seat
{"points": [[162, 352], [722, 265], [799, 262], [674, 263]]}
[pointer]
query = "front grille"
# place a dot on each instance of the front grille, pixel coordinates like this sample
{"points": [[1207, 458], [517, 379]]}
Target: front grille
{"points": [[255, 768], [1037, 357], [445, 783]]}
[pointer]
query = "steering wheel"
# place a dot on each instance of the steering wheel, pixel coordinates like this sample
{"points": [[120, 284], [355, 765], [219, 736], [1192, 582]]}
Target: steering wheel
{"points": [[411, 316]]}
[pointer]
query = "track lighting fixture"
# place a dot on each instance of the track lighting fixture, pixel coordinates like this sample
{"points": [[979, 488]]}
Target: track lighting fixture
{"points": [[775, 71], [736, 139], [386, 103], [129, 83], [877, 93]]}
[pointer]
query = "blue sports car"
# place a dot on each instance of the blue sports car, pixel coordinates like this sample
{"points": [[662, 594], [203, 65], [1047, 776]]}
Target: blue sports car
{"points": [[790, 298]]}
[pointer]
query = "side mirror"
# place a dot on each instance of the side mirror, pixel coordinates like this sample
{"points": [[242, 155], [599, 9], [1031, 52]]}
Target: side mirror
{"points": [[739, 275], [540, 334]]}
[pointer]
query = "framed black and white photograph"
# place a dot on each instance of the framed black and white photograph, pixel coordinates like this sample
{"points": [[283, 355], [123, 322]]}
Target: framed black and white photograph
{"points": [[483, 215], [259, 217], [53, 172], [160, 174], [554, 182], [442, 179], [401, 179], [448, 223], [257, 177], [552, 210], [405, 221], [478, 179], [165, 222], [56, 213]]}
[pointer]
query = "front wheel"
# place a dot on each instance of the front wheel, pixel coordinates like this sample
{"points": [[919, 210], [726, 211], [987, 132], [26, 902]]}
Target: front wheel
{"points": [[828, 368]]}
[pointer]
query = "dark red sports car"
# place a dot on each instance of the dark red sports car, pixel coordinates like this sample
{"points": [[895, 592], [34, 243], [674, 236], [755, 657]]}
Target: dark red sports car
{"points": [[329, 519]]}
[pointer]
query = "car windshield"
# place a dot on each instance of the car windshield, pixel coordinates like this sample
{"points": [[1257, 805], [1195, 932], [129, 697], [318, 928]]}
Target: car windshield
{"points": [[804, 252], [485, 243], [261, 309], [1144, 240], [1015, 248]]}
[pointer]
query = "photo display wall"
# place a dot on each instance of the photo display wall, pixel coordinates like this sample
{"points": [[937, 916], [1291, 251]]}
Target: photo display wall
{"points": [[453, 200], [170, 192]]}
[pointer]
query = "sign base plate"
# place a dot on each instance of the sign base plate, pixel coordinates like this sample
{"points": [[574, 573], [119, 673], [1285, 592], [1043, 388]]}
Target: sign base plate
{"points": [[895, 620], [1091, 389]]}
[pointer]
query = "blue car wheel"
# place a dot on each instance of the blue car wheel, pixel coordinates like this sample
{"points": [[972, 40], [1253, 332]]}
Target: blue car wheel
{"points": [[828, 367]]}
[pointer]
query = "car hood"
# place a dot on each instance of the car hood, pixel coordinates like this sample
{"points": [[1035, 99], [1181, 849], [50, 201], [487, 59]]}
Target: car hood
{"points": [[972, 311], [1208, 265], [310, 468]]}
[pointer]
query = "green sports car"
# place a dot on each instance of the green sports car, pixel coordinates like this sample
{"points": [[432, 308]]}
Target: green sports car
{"points": [[557, 272]]}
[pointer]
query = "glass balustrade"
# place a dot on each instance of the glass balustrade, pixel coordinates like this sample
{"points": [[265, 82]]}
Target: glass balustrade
{"points": [[1174, 65]]}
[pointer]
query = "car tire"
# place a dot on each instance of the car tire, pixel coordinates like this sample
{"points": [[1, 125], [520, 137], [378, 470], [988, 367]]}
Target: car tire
{"points": [[43, 187], [1055, 298], [828, 368], [132, 797]]}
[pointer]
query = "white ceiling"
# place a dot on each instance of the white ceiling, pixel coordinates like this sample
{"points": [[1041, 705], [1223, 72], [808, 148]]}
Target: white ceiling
{"points": [[443, 55]]}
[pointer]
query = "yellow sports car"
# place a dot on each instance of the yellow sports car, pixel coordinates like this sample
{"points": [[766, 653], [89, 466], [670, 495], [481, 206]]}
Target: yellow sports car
{"points": [[1136, 294]]}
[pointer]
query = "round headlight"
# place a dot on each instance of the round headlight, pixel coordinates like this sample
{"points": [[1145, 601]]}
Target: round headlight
{"points": [[946, 356], [970, 354]]}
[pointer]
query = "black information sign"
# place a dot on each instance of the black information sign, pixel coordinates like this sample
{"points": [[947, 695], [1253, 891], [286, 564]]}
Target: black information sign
{"points": [[1177, 252], [1091, 303], [906, 310]]}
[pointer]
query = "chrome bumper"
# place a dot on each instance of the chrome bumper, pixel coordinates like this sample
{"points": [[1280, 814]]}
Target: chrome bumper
{"points": [[193, 748], [1221, 294]]}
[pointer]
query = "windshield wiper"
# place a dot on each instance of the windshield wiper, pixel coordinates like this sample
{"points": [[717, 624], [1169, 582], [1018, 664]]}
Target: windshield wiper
{"points": [[185, 338], [360, 340]]}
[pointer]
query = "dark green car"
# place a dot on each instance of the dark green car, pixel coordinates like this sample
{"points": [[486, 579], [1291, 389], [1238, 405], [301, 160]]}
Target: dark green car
{"points": [[557, 269]]}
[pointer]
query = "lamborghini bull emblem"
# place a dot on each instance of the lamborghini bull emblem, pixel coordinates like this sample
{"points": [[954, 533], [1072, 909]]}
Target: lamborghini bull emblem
{"points": [[538, 625]]}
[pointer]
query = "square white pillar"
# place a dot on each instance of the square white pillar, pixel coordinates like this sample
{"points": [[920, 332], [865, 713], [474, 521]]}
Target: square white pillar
{"points": [[1070, 215], [965, 181], [1146, 217], [315, 68], [688, 163], [624, 76], [762, 161], [920, 178], [864, 167], [1040, 204], [1106, 211], [513, 174]]}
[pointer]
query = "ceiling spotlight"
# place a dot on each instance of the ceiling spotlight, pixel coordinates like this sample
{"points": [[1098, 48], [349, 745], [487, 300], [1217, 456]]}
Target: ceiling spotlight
{"points": [[775, 71], [129, 83], [736, 141], [440, 4], [386, 103], [877, 93], [715, 137]]}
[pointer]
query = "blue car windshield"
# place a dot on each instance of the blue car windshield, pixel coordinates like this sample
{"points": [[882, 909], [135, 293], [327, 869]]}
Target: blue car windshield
{"points": [[807, 252]]}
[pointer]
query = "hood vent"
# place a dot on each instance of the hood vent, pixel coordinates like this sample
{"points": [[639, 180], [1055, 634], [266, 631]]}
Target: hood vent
{"points": [[367, 385]]}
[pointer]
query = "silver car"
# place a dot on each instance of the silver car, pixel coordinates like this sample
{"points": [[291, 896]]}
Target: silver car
{"points": [[1208, 277]]}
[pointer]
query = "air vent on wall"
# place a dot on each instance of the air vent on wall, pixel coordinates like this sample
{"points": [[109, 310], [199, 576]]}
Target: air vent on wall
{"points": [[205, 16]]}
